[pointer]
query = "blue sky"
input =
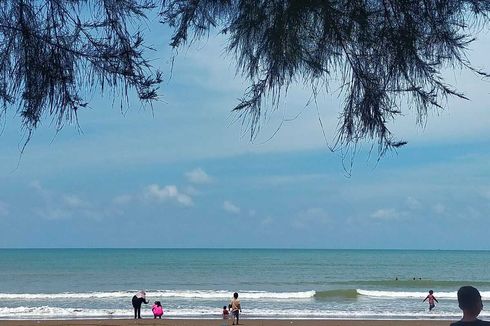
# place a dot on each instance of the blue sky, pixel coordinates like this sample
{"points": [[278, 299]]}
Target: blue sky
{"points": [[185, 174]]}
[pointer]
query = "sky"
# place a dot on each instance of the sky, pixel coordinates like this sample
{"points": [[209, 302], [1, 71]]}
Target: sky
{"points": [[185, 174]]}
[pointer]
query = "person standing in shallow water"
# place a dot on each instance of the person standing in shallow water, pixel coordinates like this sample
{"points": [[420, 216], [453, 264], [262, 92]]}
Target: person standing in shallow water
{"points": [[431, 298], [235, 308], [138, 299]]}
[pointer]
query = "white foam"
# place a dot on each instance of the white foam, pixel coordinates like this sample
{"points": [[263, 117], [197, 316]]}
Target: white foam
{"points": [[415, 295], [186, 294], [57, 312], [404, 294], [48, 312], [66, 295]]}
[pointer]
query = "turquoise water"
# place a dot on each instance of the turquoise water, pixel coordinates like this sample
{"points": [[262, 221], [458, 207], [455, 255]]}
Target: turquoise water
{"points": [[196, 283]]}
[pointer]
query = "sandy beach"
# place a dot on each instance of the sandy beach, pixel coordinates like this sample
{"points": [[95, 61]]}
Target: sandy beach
{"points": [[217, 322]]}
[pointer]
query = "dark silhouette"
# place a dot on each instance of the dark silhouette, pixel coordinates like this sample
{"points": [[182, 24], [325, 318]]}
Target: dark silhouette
{"points": [[52, 52], [137, 302], [469, 300], [384, 52]]}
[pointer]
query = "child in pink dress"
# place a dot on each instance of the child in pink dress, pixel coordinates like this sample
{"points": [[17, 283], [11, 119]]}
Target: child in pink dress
{"points": [[157, 310]]}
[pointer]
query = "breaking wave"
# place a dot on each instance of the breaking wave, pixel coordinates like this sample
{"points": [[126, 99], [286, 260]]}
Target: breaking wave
{"points": [[184, 294]]}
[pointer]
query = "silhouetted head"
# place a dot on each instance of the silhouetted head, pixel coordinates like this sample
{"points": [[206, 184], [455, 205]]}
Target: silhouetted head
{"points": [[431, 292], [158, 303], [469, 300], [224, 307], [235, 295]]}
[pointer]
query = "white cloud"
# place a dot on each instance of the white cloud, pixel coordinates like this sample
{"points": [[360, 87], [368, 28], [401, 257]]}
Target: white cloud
{"points": [[486, 194], [267, 221], [73, 201], [41, 190], [169, 192], [57, 205], [439, 208], [53, 208], [230, 207], [4, 211], [68, 207], [191, 191], [36, 185], [122, 199], [386, 214], [54, 213], [198, 176], [311, 217], [413, 203]]}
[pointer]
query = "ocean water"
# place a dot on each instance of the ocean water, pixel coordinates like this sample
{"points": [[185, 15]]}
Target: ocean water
{"points": [[196, 283]]}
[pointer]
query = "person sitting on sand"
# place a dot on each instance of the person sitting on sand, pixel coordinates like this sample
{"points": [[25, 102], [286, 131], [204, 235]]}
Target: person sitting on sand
{"points": [[431, 298], [157, 310], [138, 299], [235, 308], [469, 300]]}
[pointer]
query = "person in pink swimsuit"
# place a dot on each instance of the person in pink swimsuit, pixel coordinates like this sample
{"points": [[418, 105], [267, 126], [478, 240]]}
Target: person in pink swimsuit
{"points": [[431, 299]]}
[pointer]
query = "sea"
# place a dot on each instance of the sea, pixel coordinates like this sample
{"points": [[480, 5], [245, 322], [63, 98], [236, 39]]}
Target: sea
{"points": [[272, 283]]}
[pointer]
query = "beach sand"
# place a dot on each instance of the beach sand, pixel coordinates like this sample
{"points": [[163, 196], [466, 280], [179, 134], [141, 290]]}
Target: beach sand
{"points": [[218, 322]]}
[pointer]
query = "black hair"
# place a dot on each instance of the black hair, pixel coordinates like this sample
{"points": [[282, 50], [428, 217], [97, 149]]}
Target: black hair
{"points": [[158, 303], [430, 291], [468, 298], [224, 307], [235, 295]]}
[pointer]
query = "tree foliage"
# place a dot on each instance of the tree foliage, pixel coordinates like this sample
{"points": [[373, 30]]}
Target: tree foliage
{"points": [[386, 52], [52, 50]]}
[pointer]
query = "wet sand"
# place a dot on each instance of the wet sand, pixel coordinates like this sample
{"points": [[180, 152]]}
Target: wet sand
{"points": [[218, 322]]}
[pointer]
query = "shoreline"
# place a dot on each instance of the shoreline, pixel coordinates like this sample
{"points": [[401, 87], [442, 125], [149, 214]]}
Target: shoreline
{"points": [[219, 322]]}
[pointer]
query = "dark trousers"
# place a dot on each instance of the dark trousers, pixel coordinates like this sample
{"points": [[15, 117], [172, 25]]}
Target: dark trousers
{"points": [[137, 312], [236, 314], [137, 307]]}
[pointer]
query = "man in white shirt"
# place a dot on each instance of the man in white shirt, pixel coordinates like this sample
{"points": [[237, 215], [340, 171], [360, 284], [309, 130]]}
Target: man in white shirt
{"points": [[235, 308]]}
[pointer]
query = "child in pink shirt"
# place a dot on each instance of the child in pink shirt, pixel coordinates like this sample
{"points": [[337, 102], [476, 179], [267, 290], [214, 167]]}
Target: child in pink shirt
{"points": [[431, 298], [225, 315], [157, 310]]}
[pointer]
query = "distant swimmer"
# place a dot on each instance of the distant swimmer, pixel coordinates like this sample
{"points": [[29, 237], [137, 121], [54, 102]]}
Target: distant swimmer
{"points": [[431, 298]]}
